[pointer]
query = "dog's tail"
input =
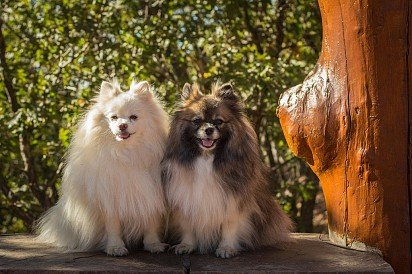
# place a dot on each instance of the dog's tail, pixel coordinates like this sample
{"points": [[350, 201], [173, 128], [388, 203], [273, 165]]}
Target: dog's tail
{"points": [[69, 227], [278, 232], [273, 224]]}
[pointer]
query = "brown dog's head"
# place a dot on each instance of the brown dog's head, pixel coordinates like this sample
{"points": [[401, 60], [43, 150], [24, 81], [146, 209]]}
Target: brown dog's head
{"points": [[208, 123], [208, 117]]}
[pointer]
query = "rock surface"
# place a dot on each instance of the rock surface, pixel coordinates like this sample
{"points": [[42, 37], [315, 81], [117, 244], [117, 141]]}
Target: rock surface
{"points": [[310, 253]]}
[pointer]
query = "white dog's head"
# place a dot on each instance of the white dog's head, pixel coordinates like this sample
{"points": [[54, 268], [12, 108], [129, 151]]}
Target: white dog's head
{"points": [[127, 113]]}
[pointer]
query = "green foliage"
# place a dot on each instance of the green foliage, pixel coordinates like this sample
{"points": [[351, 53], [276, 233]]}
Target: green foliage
{"points": [[57, 53]]}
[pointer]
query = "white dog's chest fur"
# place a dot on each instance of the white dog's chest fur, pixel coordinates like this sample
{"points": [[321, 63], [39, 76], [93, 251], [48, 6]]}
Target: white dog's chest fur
{"points": [[199, 197], [122, 184]]}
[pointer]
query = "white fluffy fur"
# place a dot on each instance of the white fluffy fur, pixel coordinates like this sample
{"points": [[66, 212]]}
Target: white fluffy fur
{"points": [[111, 190]]}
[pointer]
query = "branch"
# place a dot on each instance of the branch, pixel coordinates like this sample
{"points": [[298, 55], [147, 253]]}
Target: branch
{"points": [[282, 7], [268, 148], [251, 28], [27, 36], [24, 143], [280, 165], [52, 182], [28, 161], [10, 92], [25, 216]]}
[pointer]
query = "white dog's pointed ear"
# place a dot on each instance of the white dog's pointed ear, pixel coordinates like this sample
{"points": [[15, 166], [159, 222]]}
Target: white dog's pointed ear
{"points": [[142, 87], [109, 90], [190, 91]]}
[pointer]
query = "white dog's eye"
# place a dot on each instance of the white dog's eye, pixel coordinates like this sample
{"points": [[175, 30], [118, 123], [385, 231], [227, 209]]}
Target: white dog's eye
{"points": [[133, 117], [114, 117]]}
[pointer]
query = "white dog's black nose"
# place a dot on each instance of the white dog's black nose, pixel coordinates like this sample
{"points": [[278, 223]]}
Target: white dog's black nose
{"points": [[123, 126]]}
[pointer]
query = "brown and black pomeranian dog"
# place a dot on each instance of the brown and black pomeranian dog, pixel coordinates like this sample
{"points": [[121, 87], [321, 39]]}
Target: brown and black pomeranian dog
{"points": [[215, 181]]}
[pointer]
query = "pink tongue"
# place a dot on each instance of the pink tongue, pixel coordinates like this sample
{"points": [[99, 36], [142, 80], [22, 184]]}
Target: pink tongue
{"points": [[207, 142], [124, 135]]}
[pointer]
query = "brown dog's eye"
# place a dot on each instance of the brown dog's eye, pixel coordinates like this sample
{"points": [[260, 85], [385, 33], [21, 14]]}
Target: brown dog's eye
{"points": [[133, 117], [197, 121], [114, 117], [217, 122]]}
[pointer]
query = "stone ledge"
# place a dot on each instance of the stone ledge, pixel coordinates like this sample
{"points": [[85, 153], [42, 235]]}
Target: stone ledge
{"points": [[20, 254]]}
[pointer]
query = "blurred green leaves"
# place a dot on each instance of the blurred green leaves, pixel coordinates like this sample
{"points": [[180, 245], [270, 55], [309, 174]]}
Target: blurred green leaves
{"points": [[58, 52]]}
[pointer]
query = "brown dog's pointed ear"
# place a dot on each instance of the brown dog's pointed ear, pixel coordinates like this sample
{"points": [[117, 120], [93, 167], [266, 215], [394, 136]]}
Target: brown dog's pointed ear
{"points": [[226, 91], [187, 90], [190, 91]]}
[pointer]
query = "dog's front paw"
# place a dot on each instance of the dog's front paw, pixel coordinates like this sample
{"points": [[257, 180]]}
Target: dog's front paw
{"points": [[116, 250], [183, 248], [156, 247], [226, 252]]}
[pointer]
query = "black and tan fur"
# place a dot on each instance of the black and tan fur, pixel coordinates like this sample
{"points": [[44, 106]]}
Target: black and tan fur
{"points": [[218, 195]]}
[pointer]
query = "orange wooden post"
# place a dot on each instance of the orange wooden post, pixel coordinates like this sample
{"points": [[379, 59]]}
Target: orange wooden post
{"points": [[351, 121]]}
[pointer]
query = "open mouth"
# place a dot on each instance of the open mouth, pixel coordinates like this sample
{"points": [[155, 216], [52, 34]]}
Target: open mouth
{"points": [[207, 143], [124, 135]]}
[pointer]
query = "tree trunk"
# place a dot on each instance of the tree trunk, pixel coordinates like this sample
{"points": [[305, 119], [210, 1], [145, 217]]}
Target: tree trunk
{"points": [[351, 121]]}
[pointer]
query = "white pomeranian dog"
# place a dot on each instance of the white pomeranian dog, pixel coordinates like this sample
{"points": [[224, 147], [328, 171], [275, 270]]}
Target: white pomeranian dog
{"points": [[111, 194]]}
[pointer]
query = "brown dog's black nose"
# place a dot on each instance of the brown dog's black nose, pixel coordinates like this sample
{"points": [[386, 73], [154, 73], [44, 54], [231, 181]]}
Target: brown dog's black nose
{"points": [[123, 126], [209, 130]]}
